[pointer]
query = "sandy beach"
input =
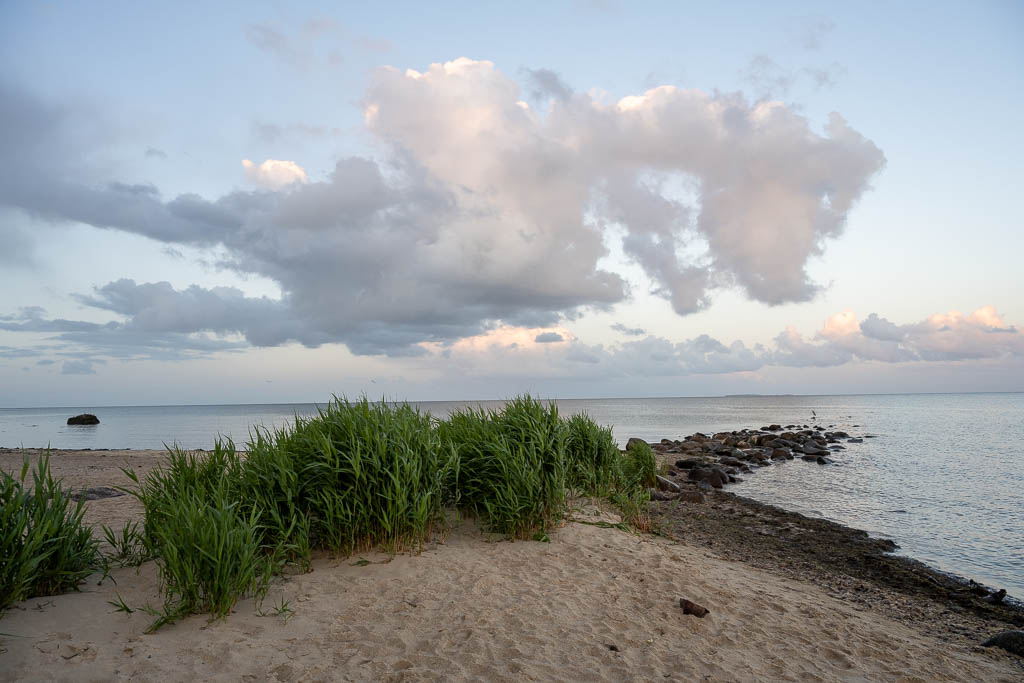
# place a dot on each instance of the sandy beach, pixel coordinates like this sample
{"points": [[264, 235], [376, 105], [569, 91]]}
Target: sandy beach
{"points": [[596, 603]]}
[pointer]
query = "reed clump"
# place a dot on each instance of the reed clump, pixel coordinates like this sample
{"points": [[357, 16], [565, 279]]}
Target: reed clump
{"points": [[358, 475], [45, 548]]}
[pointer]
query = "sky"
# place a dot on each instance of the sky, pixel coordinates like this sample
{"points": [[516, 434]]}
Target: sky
{"points": [[277, 202]]}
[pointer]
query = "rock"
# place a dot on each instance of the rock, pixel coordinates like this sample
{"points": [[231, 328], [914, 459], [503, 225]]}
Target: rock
{"points": [[997, 597], [661, 495], [855, 440], [772, 428], [704, 486], [809, 458], [691, 497], [688, 464], [840, 435], [84, 419], [634, 440], [822, 460], [1011, 641], [730, 460], [666, 485], [97, 493], [700, 612]]}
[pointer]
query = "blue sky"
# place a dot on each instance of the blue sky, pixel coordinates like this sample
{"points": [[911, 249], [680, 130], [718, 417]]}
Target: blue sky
{"points": [[520, 216]]}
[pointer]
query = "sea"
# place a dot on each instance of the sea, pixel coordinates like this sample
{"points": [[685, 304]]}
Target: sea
{"points": [[942, 474]]}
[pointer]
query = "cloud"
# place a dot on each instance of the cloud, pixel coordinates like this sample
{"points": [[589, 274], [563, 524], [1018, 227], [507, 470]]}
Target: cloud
{"points": [[154, 153], [545, 83], [480, 213], [274, 174], [276, 43], [766, 77], [77, 367], [271, 132], [939, 338], [631, 331], [809, 33], [548, 338]]}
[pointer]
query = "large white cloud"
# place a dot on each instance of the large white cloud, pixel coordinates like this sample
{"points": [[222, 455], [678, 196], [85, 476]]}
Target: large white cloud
{"points": [[487, 212]]}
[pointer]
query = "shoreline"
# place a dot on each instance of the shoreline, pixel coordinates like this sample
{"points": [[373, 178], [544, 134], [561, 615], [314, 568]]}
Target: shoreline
{"points": [[768, 590], [143, 460]]}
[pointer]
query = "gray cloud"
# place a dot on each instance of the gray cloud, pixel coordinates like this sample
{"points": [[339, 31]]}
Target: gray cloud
{"points": [[467, 226], [875, 327], [77, 367], [276, 43], [272, 132], [810, 32], [631, 331], [154, 153], [767, 77], [548, 338], [545, 83]]}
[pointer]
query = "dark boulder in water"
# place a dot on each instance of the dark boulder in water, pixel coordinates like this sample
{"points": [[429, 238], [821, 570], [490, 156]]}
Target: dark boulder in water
{"points": [[84, 419], [1011, 641]]}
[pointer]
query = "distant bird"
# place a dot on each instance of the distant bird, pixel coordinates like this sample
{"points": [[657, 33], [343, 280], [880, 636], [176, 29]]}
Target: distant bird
{"points": [[373, 381]]}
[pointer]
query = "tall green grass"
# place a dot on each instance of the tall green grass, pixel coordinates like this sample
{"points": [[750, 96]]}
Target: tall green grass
{"points": [[45, 548], [593, 461], [358, 475], [640, 466], [511, 464]]}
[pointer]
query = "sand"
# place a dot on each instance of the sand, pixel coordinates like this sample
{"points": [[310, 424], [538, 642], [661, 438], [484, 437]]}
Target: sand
{"points": [[593, 604]]}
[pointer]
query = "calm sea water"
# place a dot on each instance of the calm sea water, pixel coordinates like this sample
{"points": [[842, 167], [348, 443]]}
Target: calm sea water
{"points": [[944, 477]]}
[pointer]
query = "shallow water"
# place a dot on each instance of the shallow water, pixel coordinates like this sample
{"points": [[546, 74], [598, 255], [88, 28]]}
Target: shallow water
{"points": [[944, 478]]}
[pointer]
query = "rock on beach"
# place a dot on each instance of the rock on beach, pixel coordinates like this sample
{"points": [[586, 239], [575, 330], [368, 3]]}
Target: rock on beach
{"points": [[84, 419]]}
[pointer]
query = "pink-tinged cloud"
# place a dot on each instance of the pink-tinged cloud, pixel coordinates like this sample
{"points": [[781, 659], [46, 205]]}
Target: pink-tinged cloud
{"points": [[274, 174], [842, 340]]}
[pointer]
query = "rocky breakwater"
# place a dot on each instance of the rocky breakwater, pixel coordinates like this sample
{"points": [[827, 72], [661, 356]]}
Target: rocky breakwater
{"points": [[712, 461]]}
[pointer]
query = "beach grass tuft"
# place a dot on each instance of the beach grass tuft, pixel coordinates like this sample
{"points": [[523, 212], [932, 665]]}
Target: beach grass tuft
{"points": [[355, 476], [45, 548]]}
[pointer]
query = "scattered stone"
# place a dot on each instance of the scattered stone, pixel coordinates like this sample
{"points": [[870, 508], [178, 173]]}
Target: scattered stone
{"points": [[666, 484], [855, 440], [699, 611], [691, 497], [96, 493], [688, 464], [84, 419], [661, 495], [997, 597], [612, 646], [634, 440], [1011, 641]]}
